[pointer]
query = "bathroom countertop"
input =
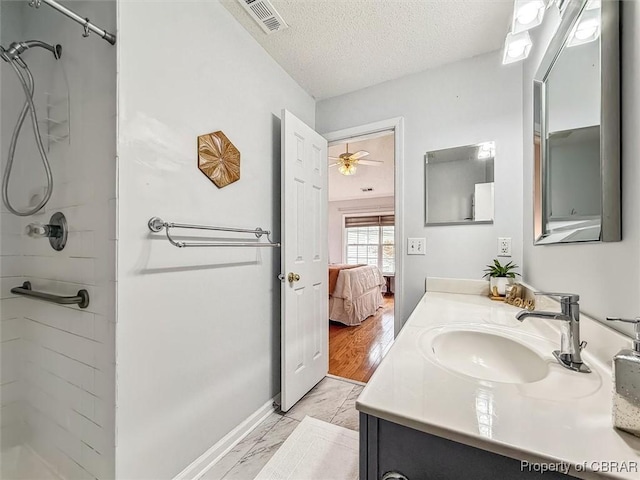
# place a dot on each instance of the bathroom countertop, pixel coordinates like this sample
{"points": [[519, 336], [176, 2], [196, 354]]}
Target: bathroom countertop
{"points": [[564, 418]]}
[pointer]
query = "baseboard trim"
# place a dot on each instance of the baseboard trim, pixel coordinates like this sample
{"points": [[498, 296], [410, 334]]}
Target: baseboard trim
{"points": [[208, 459], [348, 380]]}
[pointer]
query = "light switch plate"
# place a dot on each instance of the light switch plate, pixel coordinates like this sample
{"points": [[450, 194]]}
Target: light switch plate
{"points": [[416, 246]]}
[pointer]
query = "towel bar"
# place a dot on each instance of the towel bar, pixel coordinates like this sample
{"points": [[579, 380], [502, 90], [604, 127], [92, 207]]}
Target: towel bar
{"points": [[156, 225]]}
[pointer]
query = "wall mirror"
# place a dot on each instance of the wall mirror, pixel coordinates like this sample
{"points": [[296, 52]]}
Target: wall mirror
{"points": [[459, 185], [577, 128]]}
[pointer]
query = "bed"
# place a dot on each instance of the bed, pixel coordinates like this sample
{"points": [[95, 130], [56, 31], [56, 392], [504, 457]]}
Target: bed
{"points": [[355, 292]]}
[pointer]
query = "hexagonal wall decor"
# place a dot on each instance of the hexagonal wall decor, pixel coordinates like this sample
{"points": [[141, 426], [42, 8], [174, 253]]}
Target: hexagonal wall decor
{"points": [[218, 159]]}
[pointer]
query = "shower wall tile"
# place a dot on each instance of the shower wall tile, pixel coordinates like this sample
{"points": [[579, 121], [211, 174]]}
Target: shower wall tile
{"points": [[72, 194], [10, 244], [11, 393], [10, 329], [11, 224], [7, 283], [79, 245], [11, 308], [64, 269]]}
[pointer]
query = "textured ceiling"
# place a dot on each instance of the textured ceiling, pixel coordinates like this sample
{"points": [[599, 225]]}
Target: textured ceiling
{"points": [[338, 46], [379, 177]]}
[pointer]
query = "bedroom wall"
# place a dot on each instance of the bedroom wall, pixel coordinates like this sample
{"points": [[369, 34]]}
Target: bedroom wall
{"points": [[198, 329], [336, 213], [608, 283], [461, 103]]}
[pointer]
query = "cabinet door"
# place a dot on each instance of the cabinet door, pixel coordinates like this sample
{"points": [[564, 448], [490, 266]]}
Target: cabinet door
{"points": [[388, 447]]}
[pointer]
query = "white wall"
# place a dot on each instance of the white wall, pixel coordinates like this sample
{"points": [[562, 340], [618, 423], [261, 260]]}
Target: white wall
{"points": [[198, 329], [606, 275], [67, 354], [463, 103], [337, 212]]}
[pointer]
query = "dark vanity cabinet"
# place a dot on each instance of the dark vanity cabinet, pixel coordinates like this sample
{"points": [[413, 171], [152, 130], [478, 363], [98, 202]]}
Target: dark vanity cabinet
{"points": [[387, 448]]}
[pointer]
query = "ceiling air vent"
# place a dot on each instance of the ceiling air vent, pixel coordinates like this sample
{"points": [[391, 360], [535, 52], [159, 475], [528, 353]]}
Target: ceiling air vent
{"points": [[265, 15]]}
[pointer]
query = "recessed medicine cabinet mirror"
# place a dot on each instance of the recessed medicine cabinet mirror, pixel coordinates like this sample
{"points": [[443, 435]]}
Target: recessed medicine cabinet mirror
{"points": [[459, 185], [577, 128]]}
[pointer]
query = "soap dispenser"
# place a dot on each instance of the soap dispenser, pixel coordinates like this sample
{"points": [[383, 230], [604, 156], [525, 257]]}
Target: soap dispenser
{"points": [[626, 384]]}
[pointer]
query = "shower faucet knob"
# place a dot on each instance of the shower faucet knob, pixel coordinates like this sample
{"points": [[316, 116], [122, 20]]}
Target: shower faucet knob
{"points": [[56, 230], [37, 230]]}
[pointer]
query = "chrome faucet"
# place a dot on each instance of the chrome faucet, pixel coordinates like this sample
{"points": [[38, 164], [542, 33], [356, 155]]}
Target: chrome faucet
{"points": [[569, 354]]}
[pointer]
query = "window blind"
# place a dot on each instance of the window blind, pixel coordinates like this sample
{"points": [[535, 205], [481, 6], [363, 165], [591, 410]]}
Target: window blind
{"points": [[370, 221]]}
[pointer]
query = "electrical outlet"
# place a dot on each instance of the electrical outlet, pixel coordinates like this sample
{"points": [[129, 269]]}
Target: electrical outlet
{"points": [[416, 246], [504, 246]]}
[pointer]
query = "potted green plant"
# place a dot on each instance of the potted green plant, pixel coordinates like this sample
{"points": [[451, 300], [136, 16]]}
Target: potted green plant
{"points": [[500, 275]]}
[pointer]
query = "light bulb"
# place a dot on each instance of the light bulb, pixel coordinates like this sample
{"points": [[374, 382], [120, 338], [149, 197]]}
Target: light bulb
{"points": [[516, 49], [587, 29], [528, 13], [593, 4]]}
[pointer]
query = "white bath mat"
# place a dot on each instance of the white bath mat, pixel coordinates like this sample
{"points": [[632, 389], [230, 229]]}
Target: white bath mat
{"points": [[316, 450]]}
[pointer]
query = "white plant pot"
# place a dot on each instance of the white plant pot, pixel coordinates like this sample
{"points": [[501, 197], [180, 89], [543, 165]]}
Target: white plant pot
{"points": [[501, 283]]}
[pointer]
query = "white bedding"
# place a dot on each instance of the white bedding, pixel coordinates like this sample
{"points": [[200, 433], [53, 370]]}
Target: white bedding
{"points": [[358, 294]]}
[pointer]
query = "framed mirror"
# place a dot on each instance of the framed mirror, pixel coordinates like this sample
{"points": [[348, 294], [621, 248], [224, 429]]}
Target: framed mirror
{"points": [[459, 185], [577, 128]]}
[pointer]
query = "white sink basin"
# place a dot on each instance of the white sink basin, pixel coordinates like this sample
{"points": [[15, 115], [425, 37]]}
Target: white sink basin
{"points": [[487, 356]]}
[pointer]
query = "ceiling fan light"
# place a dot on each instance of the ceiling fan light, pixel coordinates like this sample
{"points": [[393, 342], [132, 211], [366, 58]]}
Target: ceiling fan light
{"points": [[347, 169]]}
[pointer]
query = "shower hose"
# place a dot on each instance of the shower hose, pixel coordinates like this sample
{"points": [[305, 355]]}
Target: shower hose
{"points": [[28, 85]]}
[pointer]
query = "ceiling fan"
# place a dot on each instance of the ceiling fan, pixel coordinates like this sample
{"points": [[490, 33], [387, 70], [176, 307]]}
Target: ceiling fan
{"points": [[348, 162]]}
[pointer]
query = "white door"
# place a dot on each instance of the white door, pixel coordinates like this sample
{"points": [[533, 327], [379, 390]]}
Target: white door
{"points": [[305, 295]]}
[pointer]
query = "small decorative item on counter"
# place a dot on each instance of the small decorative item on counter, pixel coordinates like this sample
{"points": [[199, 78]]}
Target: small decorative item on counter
{"points": [[626, 384], [494, 295], [516, 296], [500, 275]]}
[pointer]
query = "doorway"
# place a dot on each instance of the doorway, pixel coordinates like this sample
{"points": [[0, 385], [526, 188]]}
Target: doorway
{"points": [[363, 229]]}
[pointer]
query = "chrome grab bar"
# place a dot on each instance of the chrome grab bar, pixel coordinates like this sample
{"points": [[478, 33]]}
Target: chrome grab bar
{"points": [[156, 225], [81, 299]]}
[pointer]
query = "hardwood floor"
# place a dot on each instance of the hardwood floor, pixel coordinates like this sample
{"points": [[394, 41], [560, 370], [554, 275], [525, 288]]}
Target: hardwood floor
{"points": [[355, 352]]}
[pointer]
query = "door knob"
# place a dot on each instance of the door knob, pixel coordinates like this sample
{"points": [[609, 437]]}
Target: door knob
{"points": [[293, 277]]}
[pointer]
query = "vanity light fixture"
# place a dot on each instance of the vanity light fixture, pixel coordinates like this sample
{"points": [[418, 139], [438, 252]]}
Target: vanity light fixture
{"points": [[586, 30], [527, 14], [516, 47]]}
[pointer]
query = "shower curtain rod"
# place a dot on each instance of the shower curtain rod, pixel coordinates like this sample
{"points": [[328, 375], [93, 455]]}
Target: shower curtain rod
{"points": [[88, 26]]}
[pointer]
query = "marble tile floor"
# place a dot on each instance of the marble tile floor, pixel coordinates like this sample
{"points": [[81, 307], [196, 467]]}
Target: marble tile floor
{"points": [[332, 400]]}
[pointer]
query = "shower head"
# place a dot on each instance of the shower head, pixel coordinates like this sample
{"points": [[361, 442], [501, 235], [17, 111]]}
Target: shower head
{"points": [[16, 48]]}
